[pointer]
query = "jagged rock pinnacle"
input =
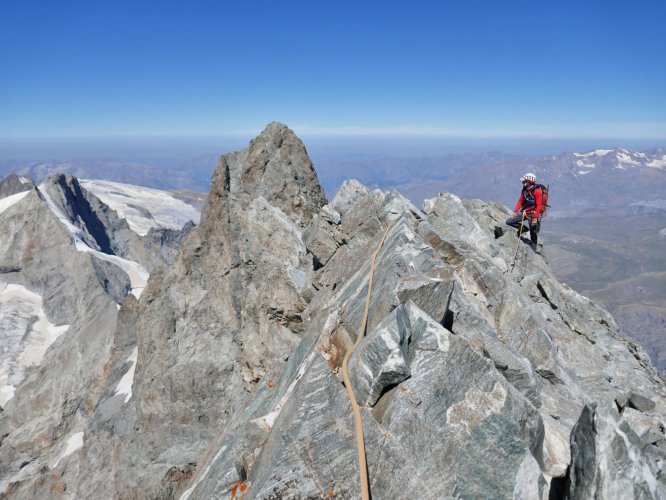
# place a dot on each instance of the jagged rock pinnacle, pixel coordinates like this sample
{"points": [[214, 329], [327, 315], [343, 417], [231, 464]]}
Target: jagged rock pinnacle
{"points": [[276, 167]]}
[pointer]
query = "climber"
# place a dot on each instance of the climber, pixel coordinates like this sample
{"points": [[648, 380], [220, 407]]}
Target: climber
{"points": [[530, 207]]}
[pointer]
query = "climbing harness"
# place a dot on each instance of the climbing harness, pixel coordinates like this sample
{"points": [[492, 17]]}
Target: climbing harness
{"points": [[358, 424]]}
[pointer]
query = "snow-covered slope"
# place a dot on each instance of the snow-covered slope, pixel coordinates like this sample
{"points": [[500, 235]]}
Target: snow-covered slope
{"points": [[142, 207], [137, 274], [618, 158], [25, 334], [10, 200]]}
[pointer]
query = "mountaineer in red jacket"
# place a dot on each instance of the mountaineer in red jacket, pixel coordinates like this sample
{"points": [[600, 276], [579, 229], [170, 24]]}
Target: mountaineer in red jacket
{"points": [[529, 208]]}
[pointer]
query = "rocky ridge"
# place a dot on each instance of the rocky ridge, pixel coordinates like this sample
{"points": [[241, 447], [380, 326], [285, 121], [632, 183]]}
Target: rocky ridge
{"points": [[13, 184], [513, 383], [61, 282], [475, 379]]}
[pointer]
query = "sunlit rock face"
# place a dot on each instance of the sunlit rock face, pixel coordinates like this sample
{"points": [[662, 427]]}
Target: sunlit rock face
{"points": [[66, 264], [476, 377]]}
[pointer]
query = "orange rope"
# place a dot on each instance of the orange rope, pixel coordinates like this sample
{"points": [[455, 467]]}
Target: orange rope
{"points": [[358, 424]]}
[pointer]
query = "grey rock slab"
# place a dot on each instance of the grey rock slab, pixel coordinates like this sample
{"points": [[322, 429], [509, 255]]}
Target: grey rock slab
{"points": [[380, 360], [99, 226], [161, 246], [636, 401], [530, 483], [320, 240], [329, 214], [276, 167], [13, 184], [223, 318], [451, 406], [348, 194], [643, 424]]}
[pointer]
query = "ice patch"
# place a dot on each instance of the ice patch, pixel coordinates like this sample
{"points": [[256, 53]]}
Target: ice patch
{"points": [[596, 152], [654, 163], [581, 163], [584, 172], [143, 208], [625, 159], [124, 387], [25, 335], [137, 273], [10, 200], [24, 180], [74, 443]]}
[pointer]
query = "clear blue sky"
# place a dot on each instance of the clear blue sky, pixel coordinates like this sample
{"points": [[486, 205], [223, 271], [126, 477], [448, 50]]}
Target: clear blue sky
{"points": [[464, 68]]}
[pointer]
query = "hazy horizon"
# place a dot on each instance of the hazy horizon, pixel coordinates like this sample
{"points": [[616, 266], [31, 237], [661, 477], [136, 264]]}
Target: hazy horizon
{"points": [[187, 147]]}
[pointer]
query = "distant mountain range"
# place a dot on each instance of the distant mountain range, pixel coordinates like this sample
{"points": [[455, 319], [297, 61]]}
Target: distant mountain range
{"points": [[611, 181], [193, 174]]}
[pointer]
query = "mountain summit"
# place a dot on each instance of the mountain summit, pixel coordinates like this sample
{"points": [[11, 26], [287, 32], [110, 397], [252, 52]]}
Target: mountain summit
{"points": [[475, 377]]}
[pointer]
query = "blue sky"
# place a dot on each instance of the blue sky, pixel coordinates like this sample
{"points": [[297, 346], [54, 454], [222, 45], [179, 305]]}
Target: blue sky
{"points": [[582, 69]]}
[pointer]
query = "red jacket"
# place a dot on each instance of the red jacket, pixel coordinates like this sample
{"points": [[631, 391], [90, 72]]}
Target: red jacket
{"points": [[531, 201]]}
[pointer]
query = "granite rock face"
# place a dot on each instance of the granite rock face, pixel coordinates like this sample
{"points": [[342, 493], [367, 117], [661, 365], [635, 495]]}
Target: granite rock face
{"points": [[476, 378], [223, 317], [59, 299], [99, 227], [66, 319], [13, 184]]}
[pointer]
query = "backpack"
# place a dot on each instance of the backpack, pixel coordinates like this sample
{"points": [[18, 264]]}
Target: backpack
{"points": [[544, 200], [529, 198]]}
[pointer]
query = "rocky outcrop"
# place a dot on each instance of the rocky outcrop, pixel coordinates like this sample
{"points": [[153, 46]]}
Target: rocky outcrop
{"points": [[226, 315], [476, 378], [59, 300], [101, 228], [277, 168], [13, 184], [56, 364], [98, 226]]}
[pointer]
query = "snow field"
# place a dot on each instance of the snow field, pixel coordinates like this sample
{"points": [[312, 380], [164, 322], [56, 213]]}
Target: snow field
{"points": [[10, 200], [143, 208], [138, 275], [26, 334]]}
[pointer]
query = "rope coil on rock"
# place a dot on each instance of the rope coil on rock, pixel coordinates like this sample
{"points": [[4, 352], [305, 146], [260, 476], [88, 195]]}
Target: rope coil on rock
{"points": [[358, 424]]}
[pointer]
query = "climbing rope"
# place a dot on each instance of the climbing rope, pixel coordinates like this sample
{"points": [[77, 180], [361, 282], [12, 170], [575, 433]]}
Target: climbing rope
{"points": [[358, 424]]}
